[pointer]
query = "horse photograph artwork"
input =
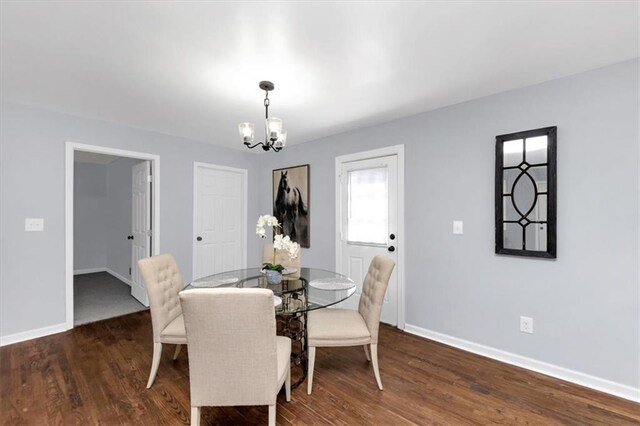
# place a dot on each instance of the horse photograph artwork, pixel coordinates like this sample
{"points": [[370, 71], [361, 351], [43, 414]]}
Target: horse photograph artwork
{"points": [[291, 202]]}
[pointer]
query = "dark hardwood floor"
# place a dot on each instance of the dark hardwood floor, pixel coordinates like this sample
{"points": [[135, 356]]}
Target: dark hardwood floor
{"points": [[96, 374]]}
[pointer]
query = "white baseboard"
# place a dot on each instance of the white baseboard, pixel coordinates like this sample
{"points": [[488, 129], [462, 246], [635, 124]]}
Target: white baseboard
{"points": [[597, 383], [32, 334], [109, 271], [88, 271], [118, 276]]}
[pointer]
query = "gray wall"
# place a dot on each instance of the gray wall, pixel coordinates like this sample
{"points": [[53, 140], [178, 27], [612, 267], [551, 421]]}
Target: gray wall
{"points": [[32, 158], [585, 304], [118, 215], [89, 228]]}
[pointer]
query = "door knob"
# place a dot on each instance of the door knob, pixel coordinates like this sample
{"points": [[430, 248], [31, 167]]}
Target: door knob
{"points": [[391, 248], [199, 239], [130, 237], [392, 236]]}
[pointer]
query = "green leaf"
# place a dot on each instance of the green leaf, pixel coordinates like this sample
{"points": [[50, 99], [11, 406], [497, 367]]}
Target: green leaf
{"points": [[273, 267]]}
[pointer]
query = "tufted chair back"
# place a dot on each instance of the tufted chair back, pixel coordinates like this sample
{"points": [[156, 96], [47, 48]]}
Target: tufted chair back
{"points": [[281, 257], [373, 290], [163, 281]]}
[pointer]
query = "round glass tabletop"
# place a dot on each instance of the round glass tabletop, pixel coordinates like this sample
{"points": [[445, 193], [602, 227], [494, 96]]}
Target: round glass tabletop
{"points": [[301, 290]]}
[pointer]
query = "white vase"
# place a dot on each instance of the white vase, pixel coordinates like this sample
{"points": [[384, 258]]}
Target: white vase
{"points": [[273, 277]]}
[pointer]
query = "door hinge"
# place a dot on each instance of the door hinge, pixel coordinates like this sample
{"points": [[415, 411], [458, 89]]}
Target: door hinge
{"points": [[149, 233], [129, 271], [149, 178]]}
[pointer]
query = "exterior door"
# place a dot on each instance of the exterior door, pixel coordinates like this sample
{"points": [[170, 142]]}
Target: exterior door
{"points": [[219, 219], [141, 224], [368, 212]]}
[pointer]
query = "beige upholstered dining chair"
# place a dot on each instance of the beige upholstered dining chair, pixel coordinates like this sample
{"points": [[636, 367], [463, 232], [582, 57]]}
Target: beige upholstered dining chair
{"points": [[281, 257], [235, 357], [346, 327], [163, 281]]}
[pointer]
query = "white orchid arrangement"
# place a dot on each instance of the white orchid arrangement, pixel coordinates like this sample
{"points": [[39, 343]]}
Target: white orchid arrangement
{"points": [[280, 242]]}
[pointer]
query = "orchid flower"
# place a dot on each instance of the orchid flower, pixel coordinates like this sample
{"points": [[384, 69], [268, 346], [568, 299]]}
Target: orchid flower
{"points": [[280, 242]]}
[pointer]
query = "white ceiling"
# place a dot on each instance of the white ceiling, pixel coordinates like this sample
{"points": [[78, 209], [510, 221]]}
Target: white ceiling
{"points": [[192, 69]]}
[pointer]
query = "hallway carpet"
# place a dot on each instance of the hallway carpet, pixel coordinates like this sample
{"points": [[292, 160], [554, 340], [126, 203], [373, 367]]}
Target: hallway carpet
{"points": [[100, 296]]}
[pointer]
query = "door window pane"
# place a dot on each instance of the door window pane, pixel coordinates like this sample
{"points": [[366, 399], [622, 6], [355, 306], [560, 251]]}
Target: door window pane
{"points": [[367, 206]]}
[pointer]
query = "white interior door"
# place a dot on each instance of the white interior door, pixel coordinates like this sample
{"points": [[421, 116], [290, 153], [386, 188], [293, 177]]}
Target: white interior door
{"points": [[219, 219], [141, 224], [368, 212]]}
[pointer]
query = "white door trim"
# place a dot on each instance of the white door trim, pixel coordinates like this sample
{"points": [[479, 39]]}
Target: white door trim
{"points": [[397, 150], [245, 201], [70, 149]]}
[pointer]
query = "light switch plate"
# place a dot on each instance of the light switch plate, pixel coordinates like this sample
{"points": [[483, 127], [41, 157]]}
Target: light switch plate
{"points": [[33, 224], [457, 227]]}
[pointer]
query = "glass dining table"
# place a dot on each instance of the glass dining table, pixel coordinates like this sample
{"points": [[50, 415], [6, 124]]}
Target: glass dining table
{"points": [[299, 292]]}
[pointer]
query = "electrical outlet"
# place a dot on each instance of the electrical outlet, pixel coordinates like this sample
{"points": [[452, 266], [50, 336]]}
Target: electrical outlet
{"points": [[33, 224], [526, 325]]}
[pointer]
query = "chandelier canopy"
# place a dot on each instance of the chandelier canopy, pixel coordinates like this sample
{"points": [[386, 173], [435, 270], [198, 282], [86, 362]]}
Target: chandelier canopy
{"points": [[275, 136]]}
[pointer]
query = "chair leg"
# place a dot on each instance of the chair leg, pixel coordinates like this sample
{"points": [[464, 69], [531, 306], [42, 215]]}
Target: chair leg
{"points": [[157, 353], [287, 382], [272, 415], [195, 416], [374, 359], [312, 361], [366, 352], [177, 352]]}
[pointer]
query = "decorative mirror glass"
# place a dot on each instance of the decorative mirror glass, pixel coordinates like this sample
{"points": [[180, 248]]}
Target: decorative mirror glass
{"points": [[526, 193]]}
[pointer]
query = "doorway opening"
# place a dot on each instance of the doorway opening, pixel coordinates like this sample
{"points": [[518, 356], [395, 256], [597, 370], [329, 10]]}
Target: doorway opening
{"points": [[111, 217]]}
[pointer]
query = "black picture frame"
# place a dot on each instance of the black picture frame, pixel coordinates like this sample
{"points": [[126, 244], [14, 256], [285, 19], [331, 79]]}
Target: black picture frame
{"points": [[292, 208], [551, 164]]}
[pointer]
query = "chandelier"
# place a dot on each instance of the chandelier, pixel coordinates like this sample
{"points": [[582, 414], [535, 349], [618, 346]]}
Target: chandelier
{"points": [[275, 136]]}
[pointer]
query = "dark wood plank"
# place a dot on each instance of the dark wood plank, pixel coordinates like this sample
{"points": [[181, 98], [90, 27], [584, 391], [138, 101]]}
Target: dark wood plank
{"points": [[96, 374]]}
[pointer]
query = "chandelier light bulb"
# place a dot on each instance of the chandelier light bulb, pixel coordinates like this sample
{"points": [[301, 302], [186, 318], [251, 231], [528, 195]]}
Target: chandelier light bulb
{"points": [[246, 132], [274, 127], [282, 140]]}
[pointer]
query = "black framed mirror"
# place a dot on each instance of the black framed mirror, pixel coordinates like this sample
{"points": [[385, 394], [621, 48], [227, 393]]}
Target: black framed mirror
{"points": [[526, 193]]}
